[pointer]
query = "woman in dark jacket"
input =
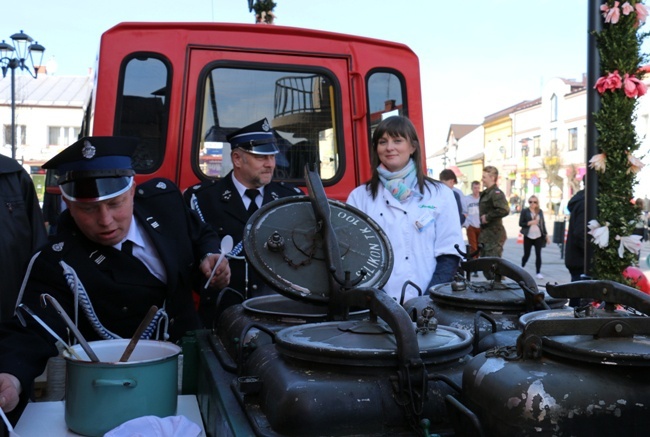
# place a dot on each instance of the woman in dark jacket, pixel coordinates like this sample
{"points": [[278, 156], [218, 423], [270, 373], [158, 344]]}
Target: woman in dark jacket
{"points": [[533, 227]]}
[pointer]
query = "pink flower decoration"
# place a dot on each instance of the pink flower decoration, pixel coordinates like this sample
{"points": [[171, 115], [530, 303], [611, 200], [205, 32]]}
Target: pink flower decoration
{"points": [[641, 13], [633, 87], [610, 82], [635, 164], [611, 15], [627, 8], [598, 162]]}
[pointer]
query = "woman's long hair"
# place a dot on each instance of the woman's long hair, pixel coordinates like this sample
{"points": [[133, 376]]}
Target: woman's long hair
{"points": [[396, 126]]}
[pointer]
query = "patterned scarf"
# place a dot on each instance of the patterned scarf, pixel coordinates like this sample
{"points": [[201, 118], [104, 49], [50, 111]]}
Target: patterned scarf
{"points": [[402, 183]]}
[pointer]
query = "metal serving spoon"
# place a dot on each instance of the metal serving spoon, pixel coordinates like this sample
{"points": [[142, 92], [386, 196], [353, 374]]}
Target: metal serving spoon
{"points": [[226, 246]]}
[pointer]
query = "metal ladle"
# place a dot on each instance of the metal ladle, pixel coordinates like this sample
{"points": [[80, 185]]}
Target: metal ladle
{"points": [[45, 298], [40, 321]]}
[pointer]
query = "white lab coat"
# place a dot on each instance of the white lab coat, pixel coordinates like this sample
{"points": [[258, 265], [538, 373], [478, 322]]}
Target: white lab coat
{"points": [[414, 250]]}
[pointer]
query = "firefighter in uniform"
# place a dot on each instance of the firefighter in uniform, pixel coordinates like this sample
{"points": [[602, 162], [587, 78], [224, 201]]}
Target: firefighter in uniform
{"points": [[493, 206], [226, 204], [119, 250]]}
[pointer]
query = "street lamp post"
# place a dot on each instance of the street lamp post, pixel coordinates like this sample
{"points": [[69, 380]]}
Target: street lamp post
{"points": [[15, 56]]}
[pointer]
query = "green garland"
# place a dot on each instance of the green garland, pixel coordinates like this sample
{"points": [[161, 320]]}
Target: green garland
{"points": [[619, 46]]}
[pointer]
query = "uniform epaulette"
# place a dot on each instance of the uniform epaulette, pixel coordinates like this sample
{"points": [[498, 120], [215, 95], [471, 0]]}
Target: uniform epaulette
{"points": [[155, 187], [290, 187]]}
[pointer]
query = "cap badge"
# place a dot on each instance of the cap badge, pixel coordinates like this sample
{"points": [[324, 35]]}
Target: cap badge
{"points": [[161, 185], [266, 126], [88, 150]]}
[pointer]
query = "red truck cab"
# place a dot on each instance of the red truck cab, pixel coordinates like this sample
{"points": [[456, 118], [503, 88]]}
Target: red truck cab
{"points": [[182, 87]]}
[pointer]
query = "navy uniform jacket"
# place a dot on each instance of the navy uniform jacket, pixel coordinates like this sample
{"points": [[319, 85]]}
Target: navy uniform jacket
{"points": [[120, 288], [23, 231], [220, 205]]}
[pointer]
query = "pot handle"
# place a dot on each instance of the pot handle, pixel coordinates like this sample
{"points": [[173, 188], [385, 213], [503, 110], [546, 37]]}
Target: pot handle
{"points": [[129, 383]]}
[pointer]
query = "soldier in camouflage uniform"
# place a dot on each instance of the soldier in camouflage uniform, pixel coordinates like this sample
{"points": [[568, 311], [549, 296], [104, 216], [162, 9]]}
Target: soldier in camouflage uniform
{"points": [[493, 206]]}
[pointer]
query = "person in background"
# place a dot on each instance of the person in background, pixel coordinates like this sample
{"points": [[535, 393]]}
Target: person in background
{"points": [[515, 206], [641, 225], [533, 227], [574, 252], [493, 206], [23, 230], [448, 177], [53, 205], [473, 220], [226, 205], [418, 214], [119, 250]]}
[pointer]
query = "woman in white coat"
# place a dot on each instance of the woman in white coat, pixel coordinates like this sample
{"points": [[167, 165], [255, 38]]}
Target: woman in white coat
{"points": [[418, 214]]}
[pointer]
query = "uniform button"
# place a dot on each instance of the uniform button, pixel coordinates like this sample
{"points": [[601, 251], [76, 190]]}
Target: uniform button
{"points": [[171, 321], [254, 287], [125, 309]]}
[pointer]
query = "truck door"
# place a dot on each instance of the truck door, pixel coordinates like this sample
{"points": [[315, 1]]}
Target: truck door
{"points": [[306, 97]]}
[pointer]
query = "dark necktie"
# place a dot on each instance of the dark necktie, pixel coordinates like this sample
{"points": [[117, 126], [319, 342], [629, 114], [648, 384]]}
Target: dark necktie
{"points": [[252, 194], [127, 247]]}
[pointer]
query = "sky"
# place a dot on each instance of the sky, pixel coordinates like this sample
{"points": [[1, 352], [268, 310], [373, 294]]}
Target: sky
{"points": [[476, 56]]}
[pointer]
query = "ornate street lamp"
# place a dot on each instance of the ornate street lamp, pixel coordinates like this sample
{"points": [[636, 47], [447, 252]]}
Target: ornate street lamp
{"points": [[15, 56]]}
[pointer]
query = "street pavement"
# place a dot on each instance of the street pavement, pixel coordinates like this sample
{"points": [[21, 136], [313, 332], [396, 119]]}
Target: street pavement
{"points": [[553, 268]]}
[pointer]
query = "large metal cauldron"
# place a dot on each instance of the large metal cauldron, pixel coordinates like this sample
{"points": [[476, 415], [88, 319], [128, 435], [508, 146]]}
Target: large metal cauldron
{"points": [[377, 377], [486, 307], [243, 328], [567, 376], [284, 242]]}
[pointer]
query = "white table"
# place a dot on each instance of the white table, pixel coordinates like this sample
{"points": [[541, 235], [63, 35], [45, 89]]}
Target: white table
{"points": [[47, 419]]}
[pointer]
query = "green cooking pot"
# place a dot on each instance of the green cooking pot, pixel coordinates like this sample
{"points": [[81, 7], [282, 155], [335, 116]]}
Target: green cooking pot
{"points": [[102, 395]]}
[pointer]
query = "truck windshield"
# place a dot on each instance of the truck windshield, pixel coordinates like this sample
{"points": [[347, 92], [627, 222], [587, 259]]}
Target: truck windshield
{"points": [[299, 104]]}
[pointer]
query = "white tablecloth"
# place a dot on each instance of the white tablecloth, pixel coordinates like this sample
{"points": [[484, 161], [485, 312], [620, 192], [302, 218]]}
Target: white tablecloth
{"points": [[47, 419]]}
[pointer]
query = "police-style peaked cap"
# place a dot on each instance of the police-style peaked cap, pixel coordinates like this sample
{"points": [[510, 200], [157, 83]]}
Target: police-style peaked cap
{"points": [[257, 138], [95, 168]]}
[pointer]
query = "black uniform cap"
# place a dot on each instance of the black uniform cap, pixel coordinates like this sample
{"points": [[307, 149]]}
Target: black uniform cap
{"points": [[257, 138], [95, 168]]}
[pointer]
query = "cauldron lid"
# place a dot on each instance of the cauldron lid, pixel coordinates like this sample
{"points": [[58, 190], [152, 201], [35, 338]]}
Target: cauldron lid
{"points": [[296, 267], [365, 343], [479, 296], [282, 306], [607, 338]]}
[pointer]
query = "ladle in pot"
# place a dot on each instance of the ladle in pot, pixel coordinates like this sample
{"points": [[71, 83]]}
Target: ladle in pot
{"points": [[138, 333], [45, 298], [40, 321]]}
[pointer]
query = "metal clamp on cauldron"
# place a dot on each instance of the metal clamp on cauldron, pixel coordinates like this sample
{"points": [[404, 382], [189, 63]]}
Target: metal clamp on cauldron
{"points": [[489, 310]]}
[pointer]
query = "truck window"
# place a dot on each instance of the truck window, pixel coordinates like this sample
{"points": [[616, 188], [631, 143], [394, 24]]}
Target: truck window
{"points": [[385, 96], [142, 108], [299, 104]]}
